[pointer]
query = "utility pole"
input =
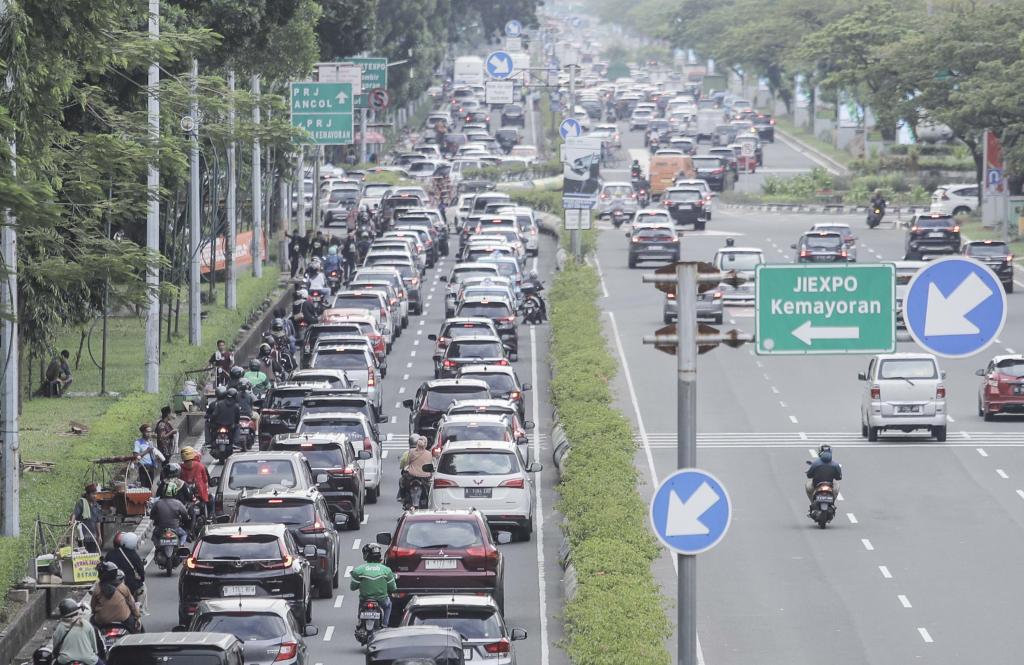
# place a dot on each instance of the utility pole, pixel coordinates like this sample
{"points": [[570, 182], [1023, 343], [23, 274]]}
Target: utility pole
{"points": [[257, 185], [11, 478], [316, 187], [300, 191], [283, 217], [362, 135], [575, 235], [230, 291], [195, 330], [152, 365]]}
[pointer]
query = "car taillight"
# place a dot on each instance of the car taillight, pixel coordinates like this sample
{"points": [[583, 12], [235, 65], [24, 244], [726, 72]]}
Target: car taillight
{"points": [[443, 482], [633, 195], [193, 564], [604, 196], [515, 483], [501, 646], [507, 319], [288, 651], [804, 252], [341, 471], [371, 377], [940, 392], [699, 203], [717, 295], [720, 170], [503, 362], [876, 392], [448, 363], [414, 281], [400, 553], [286, 562], [315, 527], [668, 202], [671, 296], [367, 444], [483, 552], [636, 239], [843, 253], [383, 312]]}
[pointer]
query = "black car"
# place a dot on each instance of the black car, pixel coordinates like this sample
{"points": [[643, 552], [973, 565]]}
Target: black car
{"points": [[433, 399], [714, 170], [331, 401], [471, 350], [478, 116], [821, 247], [508, 138], [764, 123], [332, 455], [501, 312], [247, 560], [309, 521], [932, 234], [280, 412], [653, 243], [996, 255], [513, 114], [686, 206]]}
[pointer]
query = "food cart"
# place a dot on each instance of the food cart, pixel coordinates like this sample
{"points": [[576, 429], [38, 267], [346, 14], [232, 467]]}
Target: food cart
{"points": [[122, 498]]}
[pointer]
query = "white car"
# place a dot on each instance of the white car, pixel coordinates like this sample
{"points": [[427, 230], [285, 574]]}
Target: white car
{"points": [[652, 217], [743, 260], [903, 391], [525, 152], [955, 199], [490, 476], [616, 195], [640, 119]]}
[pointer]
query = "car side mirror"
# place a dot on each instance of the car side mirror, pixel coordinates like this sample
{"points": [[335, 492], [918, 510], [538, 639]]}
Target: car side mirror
{"points": [[525, 387], [364, 454], [535, 467], [942, 374], [309, 551], [383, 538], [529, 425], [407, 403], [322, 478], [429, 468], [518, 634], [862, 376], [504, 537], [432, 338], [310, 630], [340, 519], [442, 278], [214, 481], [979, 372]]}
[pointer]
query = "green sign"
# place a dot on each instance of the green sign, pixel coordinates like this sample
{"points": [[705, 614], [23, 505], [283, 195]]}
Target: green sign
{"points": [[375, 75], [807, 309], [324, 110]]}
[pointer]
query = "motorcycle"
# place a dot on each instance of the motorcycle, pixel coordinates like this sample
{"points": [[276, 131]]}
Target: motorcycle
{"points": [[370, 619], [532, 309], [823, 504], [222, 447], [654, 144], [416, 492], [246, 435], [618, 217], [165, 551], [875, 215], [113, 632], [334, 281]]}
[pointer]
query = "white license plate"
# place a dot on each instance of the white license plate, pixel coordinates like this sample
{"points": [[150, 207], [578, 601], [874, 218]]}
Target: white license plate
{"points": [[908, 409], [169, 541], [823, 498], [936, 234], [655, 247], [372, 616], [441, 564], [239, 590], [467, 654]]}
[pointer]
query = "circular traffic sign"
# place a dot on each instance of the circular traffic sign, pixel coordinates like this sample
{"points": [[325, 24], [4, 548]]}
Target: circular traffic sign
{"points": [[570, 128], [379, 98], [499, 65], [513, 28], [690, 511]]}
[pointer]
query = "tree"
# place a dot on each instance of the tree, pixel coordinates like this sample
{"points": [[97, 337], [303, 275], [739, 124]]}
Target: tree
{"points": [[346, 27]]}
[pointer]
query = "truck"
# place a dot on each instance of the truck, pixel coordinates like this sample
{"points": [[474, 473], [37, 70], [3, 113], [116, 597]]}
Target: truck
{"points": [[712, 82], [469, 70]]}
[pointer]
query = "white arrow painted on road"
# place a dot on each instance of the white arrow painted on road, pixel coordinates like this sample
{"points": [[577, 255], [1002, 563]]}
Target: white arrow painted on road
{"points": [[500, 65], [342, 98], [947, 315], [684, 517], [807, 333]]}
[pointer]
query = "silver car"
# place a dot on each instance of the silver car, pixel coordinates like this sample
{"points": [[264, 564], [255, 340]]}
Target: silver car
{"points": [[359, 365], [256, 470], [709, 306], [266, 626], [616, 195], [903, 391], [477, 619]]}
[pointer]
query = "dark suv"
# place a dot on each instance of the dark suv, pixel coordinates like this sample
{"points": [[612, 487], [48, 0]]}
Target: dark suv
{"points": [[308, 519], [512, 114], [433, 399], [475, 350], [247, 560], [932, 234], [714, 170], [765, 126], [821, 247], [996, 255], [686, 206], [444, 552], [280, 412], [500, 311], [653, 243], [332, 456]]}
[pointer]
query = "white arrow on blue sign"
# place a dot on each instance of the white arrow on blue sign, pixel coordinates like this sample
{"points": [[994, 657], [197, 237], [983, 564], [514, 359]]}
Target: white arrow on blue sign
{"points": [[499, 65], [690, 511], [570, 128], [955, 307], [513, 28]]}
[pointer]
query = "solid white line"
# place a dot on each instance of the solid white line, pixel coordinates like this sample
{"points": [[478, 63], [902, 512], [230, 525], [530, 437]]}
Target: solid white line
{"points": [[903, 601], [356, 543], [348, 571], [852, 518], [793, 420], [925, 636], [1001, 474], [329, 633], [867, 544], [775, 390], [384, 454], [338, 600], [885, 572], [600, 277], [405, 377], [1020, 493], [401, 390], [539, 500], [981, 451]]}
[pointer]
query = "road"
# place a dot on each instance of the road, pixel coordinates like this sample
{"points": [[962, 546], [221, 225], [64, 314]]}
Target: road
{"points": [[914, 568]]}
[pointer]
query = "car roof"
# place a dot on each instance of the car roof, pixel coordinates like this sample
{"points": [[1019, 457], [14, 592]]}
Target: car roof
{"points": [[465, 600], [448, 383], [490, 403], [247, 528], [309, 494], [293, 439], [821, 234], [1007, 356], [278, 606], [487, 369], [906, 356], [221, 641], [477, 338], [469, 418], [740, 250], [298, 387]]}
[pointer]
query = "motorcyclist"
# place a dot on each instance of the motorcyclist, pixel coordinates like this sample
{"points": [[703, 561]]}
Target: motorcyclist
{"points": [[533, 281], [211, 406], [169, 513], [363, 244], [315, 275], [412, 464], [374, 580], [171, 477], [125, 555], [111, 601], [878, 201], [635, 171], [308, 309], [236, 375], [75, 639], [193, 471], [333, 261], [269, 363], [823, 470], [226, 414], [256, 377]]}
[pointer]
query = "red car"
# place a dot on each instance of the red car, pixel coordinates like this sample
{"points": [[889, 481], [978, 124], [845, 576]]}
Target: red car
{"points": [[1002, 391], [444, 552]]}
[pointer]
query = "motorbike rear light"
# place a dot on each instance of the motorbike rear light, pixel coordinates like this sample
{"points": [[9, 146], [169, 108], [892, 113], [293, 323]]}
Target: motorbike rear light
{"points": [[515, 483], [444, 482], [502, 646], [604, 196], [315, 527], [940, 392], [956, 229], [288, 651], [720, 170], [876, 392], [115, 632], [633, 195], [414, 281]]}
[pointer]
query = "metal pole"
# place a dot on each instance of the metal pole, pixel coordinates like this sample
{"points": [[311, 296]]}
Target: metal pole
{"points": [[195, 330], [152, 365], [362, 135], [300, 195], [577, 239], [257, 186], [11, 525], [686, 433], [316, 188], [284, 218], [230, 291]]}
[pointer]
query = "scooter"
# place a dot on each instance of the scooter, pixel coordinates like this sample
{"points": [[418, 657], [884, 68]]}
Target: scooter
{"points": [[165, 552], [334, 281], [222, 448], [370, 619], [417, 490], [823, 504], [246, 436], [532, 310], [618, 217], [113, 632], [875, 216]]}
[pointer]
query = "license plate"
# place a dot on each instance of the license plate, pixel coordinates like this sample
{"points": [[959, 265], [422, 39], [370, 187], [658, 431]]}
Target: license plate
{"points": [[372, 616], [239, 590], [467, 654], [478, 492], [168, 541], [686, 206], [655, 247], [907, 409], [936, 234], [441, 564], [823, 498]]}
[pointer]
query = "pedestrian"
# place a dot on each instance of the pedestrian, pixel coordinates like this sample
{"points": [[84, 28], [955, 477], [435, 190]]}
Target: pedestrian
{"points": [[222, 360], [193, 471], [147, 456], [166, 434], [87, 515], [296, 250], [318, 245]]}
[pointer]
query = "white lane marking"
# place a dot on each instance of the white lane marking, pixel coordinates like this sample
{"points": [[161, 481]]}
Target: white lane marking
{"points": [[803, 436], [419, 332], [759, 363], [852, 518], [398, 405], [840, 497], [812, 452], [415, 342], [885, 572], [782, 404], [394, 419], [951, 419], [408, 365], [366, 518], [356, 543], [405, 377], [539, 501], [1020, 493], [423, 323], [981, 451], [600, 275], [401, 390], [384, 454], [793, 420], [867, 544], [1009, 350], [966, 435], [1001, 474], [413, 352], [925, 636], [329, 634], [765, 375], [348, 571], [338, 600], [775, 390], [904, 601]]}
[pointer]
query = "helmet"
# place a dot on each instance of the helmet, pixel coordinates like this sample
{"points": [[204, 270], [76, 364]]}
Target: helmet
{"points": [[825, 453], [729, 242], [254, 365], [69, 608], [222, 391], [244, 384], [371, 553], [237, 372], [119, 576], [277, 326], [188, 453], [232, 393], [128, 539], [265, 350], [332, 250], [172, 470], [315, 264], [302, 293], [107, 571]]}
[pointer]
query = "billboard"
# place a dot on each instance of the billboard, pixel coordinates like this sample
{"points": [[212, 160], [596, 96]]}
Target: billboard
{"points": [[243, 252], [581, 172], [994, 198]]}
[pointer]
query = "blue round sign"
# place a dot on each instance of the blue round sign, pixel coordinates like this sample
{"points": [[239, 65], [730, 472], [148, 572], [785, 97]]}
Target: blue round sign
{"points": [[690, 511], [499, 65], [955, 307], [513, 28], [570, 128]]}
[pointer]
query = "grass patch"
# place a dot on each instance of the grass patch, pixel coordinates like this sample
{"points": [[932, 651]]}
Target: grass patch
{"points": [[786, 125], [618, 614], [972, 227]]}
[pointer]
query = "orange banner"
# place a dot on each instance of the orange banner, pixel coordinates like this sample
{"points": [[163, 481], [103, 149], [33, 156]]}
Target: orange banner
{"points": [[243, 252]]}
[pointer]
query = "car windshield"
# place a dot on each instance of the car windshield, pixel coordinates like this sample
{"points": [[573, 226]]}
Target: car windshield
{"points": [[740, 260], [618, 190], [704, 163], [475, 349], [245, 626], [276, 511], [240, 547], [477, 463], [354, 360], [500, 383], [439, 399], [331, 457], [146, 655], [375, 190], [368, 301], [286, 401], [684, 195], [440, 533], [465, 330], [844, 231], [329, 426], [1012, 367], [935, 223], [460, 275], [823, 242], [485, 292], [246, 474], [505, 268], [473, 432], [994, 249], [488, 309], [472, 624], [908, 368]]}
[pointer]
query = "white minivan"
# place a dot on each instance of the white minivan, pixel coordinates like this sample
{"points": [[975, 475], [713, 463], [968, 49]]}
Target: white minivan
{"points": [[903, 391]]}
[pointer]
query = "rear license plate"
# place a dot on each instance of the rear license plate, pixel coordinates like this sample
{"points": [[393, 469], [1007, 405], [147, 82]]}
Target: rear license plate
{"points": [[823, 498], [239, 590], [467, 654], [655, 247], [686, 206], [936, 234], [907, 409], [441, 564], [478, 492], [164, 542], [372, 616]]}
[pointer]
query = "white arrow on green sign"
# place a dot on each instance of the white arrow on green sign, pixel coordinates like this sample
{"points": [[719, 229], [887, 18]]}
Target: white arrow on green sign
{"points": [[819, 309], [324, 110]]}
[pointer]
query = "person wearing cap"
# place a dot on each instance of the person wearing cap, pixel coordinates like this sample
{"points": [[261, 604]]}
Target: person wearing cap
{"points": [[87, 513], [75, 639], [193, 471]]}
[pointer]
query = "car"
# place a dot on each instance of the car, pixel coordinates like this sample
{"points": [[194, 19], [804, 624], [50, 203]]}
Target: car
{"points": [[686, 206], [932, 233], [360, 366], [208, 648], [501, 312], [849, 239], [247, 560], [460, 271], [821, 247], [310, 522], [481, 427], [471, 350], [453, 328], [513, 114], [764, 123], [652, 217], [477, 620], [640, 118], [903, 391], [487, 288], [280, 409], [653, 244], [529, 229], [709, 306], [503, 381], [496, 407], [433, 398], [325, 342], [996, 255], [444, 552], [415, 645], [905, 271], [616, 195], [728, 156], [410, 278], [1002, 387], [714, 170], [344, 323], [955, 199], [351, 401], [244, 472], [323, 440]]}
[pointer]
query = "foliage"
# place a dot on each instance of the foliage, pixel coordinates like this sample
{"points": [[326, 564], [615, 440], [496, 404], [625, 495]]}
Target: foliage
{"points": [[799, 187], [617, 614]]}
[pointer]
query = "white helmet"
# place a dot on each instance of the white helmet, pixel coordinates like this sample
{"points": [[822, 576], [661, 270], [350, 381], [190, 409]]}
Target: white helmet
{"points": [[302, 293]]}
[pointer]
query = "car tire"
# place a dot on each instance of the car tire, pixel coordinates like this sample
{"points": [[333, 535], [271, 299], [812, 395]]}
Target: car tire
{"points": [[334, 580], [632, 262], [988, 416], [667, 319], [939, 433], [405, 321], [981, 408], [1009, 286], [961, 210], [863, 430], [873, 433], [355, 522], [309, 612], [911, 256], [324, 590], [526, 531], [372, 494], [699, 226]]}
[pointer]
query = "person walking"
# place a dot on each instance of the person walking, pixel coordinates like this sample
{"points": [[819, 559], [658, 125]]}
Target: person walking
{"points": [[297, 249]]}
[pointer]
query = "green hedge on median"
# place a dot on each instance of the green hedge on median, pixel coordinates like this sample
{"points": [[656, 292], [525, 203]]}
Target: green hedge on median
{"points": [[618, 614]]}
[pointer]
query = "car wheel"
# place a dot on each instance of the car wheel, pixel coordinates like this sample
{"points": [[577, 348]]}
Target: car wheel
{"points": [[1009, 286], [334, 580], [981, 408], [405, 321], [526, 531], [372, 494], [863, 430], [309, 611], [939, 433], [961, 210], [873, 433], [667, 319], [324, 590], [699, 226], [632, 262], [398, 331], [988, 416], [355, 521], [911, 256]]}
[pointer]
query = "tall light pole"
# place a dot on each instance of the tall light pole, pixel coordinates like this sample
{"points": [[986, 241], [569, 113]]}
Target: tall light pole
{"points": [[257, 185], [195, 329], [230, 296], [151, 382]]}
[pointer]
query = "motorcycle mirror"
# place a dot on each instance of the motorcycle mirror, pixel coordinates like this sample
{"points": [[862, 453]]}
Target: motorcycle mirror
{"points": [[432, 338], [365, 454], [183, 552], [535, 467], [529, 425], [310, 630], [792, 246], [407, 403], [628, 233], [807, 462], [442, 278], [429, 468], [214, 481]]}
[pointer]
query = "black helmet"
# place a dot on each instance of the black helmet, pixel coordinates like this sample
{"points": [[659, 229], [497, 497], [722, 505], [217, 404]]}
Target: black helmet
{"points": [[244, 384], [264, 351], [237, 372], [232, 393], [69, 608], [371, 553], [729, 242], [107, 571], [172, 470], [277, 326], [222, 391], [254, 365]]}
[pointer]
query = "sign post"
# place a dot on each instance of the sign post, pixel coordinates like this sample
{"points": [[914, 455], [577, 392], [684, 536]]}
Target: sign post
{"points": [[324, 110], [816, 309], [375, 75]]}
